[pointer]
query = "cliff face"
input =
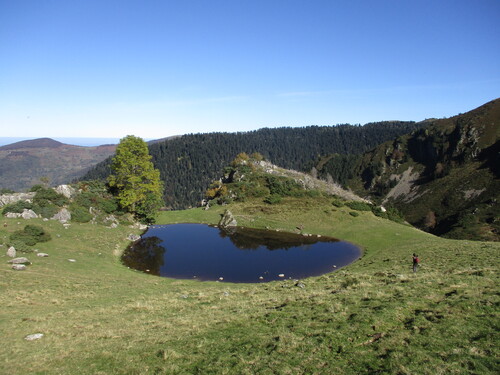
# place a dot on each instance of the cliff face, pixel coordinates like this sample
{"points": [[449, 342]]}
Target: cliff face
{"points": [[444, 177]]}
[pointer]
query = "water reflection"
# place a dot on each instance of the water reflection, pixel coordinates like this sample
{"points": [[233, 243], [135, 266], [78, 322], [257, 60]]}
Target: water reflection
{"points": [[252, 239], [145, 255], [196, 251]]}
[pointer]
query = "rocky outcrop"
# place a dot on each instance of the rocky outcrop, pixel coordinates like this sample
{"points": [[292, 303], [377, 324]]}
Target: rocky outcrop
{"points": [[65, 190], [227, 220], [6, 199], [63, 216]]}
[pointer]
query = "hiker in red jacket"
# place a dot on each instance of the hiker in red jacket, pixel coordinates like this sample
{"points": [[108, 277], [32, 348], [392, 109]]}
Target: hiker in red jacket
{"points": [[416, 261]]}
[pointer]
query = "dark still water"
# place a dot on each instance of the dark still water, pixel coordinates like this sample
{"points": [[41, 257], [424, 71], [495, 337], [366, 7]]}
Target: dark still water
{"points": [[198, 251]]}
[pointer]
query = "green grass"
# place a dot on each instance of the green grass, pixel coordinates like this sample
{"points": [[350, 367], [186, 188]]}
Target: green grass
{"points": [[374, 316]]}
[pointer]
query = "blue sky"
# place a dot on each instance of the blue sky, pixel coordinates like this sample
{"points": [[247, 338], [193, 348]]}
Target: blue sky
{"points": [[161, 68]]}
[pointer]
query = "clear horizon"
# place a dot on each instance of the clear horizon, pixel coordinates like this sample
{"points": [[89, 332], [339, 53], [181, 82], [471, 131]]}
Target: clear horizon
{"points": [[111, 68]]}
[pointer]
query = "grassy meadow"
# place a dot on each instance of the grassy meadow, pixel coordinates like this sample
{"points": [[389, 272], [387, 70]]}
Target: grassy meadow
{"points": [[374, 316]]}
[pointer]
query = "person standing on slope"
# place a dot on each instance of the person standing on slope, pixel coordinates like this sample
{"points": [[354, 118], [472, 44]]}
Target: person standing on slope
{"points": [[416, 261]]}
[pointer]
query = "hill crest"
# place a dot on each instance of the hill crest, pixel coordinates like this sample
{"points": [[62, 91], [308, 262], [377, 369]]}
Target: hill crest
{"points": [[33, 143]]}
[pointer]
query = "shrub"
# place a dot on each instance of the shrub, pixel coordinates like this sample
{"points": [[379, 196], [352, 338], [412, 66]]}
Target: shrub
{"points": [[30, 235], [36, 188], [359, 206], [17, 207], [395, 215], [108, 205], [377, 211], [337, 202], [273, 199], [20, 246], [282, 186], [44, 197], [47, 211], [80, 214]]}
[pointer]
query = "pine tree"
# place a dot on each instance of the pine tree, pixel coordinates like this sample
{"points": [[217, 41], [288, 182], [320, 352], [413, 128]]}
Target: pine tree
{"points": [[135, 180]]}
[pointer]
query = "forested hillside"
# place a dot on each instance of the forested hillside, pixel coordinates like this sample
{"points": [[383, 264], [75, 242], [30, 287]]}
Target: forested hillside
{"points": [[188, 164]]}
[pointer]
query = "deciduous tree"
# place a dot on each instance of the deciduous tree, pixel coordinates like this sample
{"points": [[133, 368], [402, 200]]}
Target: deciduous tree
{"points": [[136, 182]]}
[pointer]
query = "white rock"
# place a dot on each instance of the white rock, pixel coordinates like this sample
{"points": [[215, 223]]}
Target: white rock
{"points": [[65, 190], [11, 252], [42, 255], [72, 260], [34, 336], [18, 267], [20, 260], [29, 214]]}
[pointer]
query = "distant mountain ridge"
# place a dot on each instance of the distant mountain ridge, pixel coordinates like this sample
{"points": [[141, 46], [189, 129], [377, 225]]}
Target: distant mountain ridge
{"points": [[23, 163], [33, 143]]}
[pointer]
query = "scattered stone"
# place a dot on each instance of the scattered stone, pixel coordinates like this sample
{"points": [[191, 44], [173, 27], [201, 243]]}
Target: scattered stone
{"points": [[334, 266], [20, 260], [72, 260], [139, 226], [34, 336], [43, 255], [12, 215], [111, 221], [11, 252], [184, 296], [261, 278], [300, 285], [18, 267], [226, 294], [221, 278], [133, 237], [66, 225], [281, 275]]}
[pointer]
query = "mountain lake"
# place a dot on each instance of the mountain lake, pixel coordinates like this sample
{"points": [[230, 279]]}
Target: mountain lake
{"points": [[238, 255]]}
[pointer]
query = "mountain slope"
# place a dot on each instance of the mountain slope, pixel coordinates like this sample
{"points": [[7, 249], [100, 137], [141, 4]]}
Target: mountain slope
{"points": [[445, 177], [22, 164]]}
